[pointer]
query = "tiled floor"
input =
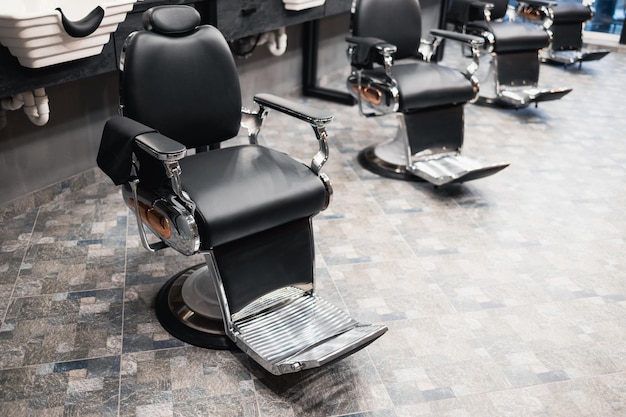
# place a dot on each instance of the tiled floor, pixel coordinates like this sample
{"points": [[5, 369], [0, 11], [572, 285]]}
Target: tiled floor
{"points": [[505, 296]]}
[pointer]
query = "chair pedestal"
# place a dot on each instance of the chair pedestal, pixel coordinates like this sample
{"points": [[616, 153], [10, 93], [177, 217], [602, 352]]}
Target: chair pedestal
{"points": [[427, 147], [388, 159], [188, 308]]}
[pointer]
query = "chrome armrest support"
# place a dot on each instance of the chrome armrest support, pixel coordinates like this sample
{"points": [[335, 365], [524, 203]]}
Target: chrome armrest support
{"points": [[487, 8], [428, 47], [316, 118], [386, 51], [169, 152], [151, 247], [252, 121], [474, 43]]}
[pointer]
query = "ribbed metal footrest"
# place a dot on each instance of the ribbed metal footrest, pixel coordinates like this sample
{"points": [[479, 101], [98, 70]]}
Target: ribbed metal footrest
{"points": [[519, 98], [572, 57], [445, 168], [290, 330]]}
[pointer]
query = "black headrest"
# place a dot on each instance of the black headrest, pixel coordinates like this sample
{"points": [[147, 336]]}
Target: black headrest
{"points": [[172, 20]]}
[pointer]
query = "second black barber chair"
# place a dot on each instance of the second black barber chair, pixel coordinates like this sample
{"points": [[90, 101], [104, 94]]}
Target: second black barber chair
{"points": [[512, 48], [247, 208], [395, 70], [566, 20]]}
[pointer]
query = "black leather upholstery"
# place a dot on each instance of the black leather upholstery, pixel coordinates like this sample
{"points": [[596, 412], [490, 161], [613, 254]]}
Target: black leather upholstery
{"points": [[203, 110], [514, 36], [567, 25], [423, 85], [565, 12], [509, 36], [170, 20], [243, 190], [398, 23]]}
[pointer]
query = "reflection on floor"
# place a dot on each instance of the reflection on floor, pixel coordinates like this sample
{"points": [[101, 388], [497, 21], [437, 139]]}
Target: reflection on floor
{"points": [[504, 296]]}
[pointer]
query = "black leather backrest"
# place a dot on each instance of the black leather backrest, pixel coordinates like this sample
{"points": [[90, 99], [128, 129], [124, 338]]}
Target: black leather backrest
{"points": [[499, 8], [395, 21], [181, 79]]}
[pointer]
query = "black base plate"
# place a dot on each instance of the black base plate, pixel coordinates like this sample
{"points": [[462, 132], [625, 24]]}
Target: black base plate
{"points": [[368, 160], [182, 332]]}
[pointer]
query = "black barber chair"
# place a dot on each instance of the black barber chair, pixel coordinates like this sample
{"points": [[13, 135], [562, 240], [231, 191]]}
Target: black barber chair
{"points": [[565, 19], [512, 47], [246, 208], [394, 70]]}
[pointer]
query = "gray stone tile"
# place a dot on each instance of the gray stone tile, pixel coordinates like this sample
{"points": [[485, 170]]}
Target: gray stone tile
{"points": [[503, 296]]}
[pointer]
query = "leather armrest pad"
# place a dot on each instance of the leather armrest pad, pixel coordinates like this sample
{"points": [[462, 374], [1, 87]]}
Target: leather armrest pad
{"points": [[161, 147], [462, 37], [301, 111]]}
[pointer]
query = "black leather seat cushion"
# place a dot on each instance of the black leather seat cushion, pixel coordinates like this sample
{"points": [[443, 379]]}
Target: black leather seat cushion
{"points": [[515, 36], [423, 85], [571, 13], [243, 190]]}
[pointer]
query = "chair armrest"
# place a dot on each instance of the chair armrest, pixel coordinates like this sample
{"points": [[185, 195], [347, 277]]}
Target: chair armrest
{"points": [[368, 50], [456, 36], [300, 111], [473, 42], [161, 147], [121, 138], [316, 118]]}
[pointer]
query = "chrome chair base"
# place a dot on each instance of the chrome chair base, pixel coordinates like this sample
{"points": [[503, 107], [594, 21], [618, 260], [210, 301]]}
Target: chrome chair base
{"points": [[188, 309], [387, 159]]}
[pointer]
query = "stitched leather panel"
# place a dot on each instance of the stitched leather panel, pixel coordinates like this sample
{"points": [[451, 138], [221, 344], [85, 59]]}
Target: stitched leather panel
{"points": [[243, 190]]}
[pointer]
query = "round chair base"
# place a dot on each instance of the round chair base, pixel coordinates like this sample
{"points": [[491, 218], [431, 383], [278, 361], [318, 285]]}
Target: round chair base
{"points": [[184, 323], [387, 160]]}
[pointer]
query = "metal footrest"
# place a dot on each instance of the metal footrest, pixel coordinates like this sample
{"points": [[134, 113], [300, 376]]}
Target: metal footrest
{"points": [[291, 330], [521, 98], [445, 168], [572, 57]]}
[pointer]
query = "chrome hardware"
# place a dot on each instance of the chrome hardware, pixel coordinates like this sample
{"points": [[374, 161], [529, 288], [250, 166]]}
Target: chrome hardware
{"points": [[316, 119], [387, 52], [142, 232], [329, 190], [320, 158], [252, 121], [168, 218], [379, 94]]}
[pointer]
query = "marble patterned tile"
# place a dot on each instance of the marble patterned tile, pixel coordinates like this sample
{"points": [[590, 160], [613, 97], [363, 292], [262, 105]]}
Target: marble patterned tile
{"points": [[62, 327]]}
